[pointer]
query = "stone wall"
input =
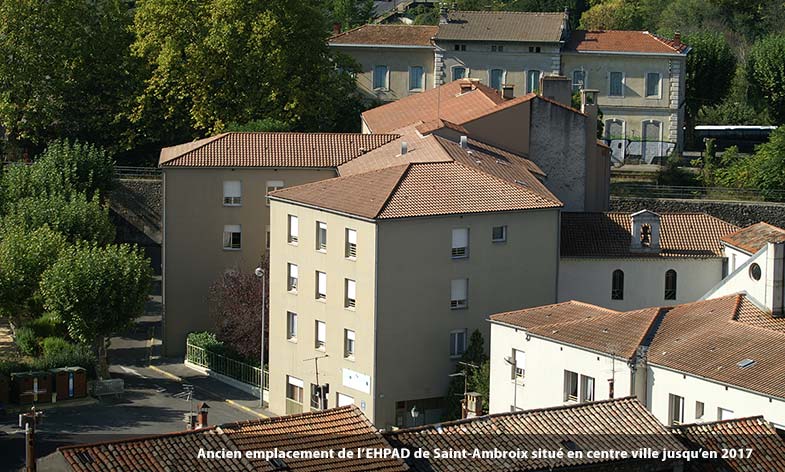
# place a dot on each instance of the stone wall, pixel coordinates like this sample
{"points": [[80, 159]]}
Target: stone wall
{"points": [[739, 213]]}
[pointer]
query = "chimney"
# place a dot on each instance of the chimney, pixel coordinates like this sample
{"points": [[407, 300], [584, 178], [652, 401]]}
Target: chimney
{"points": [[466, 86], [557, 88], [775, 273], [201, 417], [508, 91], [677, 39], [336, 28], [645, 231], [404, 148], [472, 405], [589, 108], [464, 142]]}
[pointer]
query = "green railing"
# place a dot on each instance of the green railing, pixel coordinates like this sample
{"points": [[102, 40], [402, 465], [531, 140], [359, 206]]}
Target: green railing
{"points": [[223, 365]]}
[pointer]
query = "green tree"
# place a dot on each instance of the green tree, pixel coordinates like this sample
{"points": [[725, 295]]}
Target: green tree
{"points": [[76, 217], [689, 16], [97, 292], [24, 256], [266, 124], [475, 379], [351, 13], [65, 70], [621, 15], [711, 67], [766, 73], [214, 62], [769, 165]]}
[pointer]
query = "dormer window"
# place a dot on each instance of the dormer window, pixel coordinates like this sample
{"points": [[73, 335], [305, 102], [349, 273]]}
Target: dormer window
{"points": [[645, 231], [646, 235]]}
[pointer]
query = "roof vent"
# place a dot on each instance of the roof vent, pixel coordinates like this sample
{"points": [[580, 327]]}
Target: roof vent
{"points": [[278, 464], [464, 142], [404, 147], [746, 363]]}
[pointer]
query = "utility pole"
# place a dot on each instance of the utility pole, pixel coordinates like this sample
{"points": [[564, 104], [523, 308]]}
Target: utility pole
{"points": [[29, 421]]}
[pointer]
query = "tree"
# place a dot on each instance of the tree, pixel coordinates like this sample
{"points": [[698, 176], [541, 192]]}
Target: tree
{"points": [[769, 165], [236, 310], [621, 15], [766, 73], [711, 67], [75, 216], [689, 16], [97, 291], [475, 379], [220, 61], [65, 70], [266, 124], [24, 256], [351, 13]]}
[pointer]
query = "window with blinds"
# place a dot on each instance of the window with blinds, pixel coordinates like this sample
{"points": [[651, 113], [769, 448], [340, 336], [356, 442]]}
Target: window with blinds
{"points": [[321, 335], [291, 326], [350, 299], [348, 343], [460, 243], [232, 237], [351, 243], [294, 229], [233, 193], [293, 278], [321, 285], [459, 293], [321, 236]]}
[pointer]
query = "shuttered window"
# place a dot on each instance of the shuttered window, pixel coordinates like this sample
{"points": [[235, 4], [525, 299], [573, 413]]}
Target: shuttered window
{"points": [[233, 193]]}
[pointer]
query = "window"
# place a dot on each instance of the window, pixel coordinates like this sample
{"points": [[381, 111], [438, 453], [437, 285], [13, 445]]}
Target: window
{"points": [[344, 400], [497, 48], [351, 243], [267, 237], [670, 285], [458, 72], [616, 85], [348, 343], [272, 186], [755, 272], [578, 80], [458, 293], [533, 81], [457, 342], [675, 410], [499, 234], [321, 236], [291, 326], [460, 243], [617, 288], [294, 229], [294, 389], [699, 410], [292, 279], [380, 78], [321, 285], [316, 397], [570, 386], [653, 85], [415, 78], [233, 193], [497, 79], [534, 49], [519, 364], [232, 237], [460, 47], [723, 414], [587, 388], [320, 335], [351, 292]]}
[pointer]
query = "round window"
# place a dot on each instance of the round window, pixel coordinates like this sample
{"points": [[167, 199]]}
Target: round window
{"points": [[755, 272]]}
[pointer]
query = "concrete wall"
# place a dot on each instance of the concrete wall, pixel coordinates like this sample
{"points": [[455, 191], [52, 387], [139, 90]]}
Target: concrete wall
{"points": [[413, 300], [288, 357], [194, 217], [739, 213], [663, 382], [398, 61], [507, 128], [546, 361], [589, 280]]}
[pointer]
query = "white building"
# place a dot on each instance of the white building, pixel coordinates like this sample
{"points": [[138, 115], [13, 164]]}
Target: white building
{"points": [[628, 261], [714, 359]]}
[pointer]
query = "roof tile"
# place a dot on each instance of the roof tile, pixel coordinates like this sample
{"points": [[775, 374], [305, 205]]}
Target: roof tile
{"points": [[754, 237], [387, 35], [502, 26], [622, 41]]}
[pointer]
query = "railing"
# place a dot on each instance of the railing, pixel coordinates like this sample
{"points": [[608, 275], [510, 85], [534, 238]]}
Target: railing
{"points": [[622, 189], [223, 365], [129, 172]]}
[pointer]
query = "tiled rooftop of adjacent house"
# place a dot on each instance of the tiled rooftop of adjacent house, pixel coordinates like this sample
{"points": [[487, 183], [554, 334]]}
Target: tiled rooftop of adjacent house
{"points": [[272, 149], [621, 424], [754, 237], [386, 35], [623, 41], [513, 26], [608, 235]]}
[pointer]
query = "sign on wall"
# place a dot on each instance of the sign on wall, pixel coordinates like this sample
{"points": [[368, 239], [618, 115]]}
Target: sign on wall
{"points": [[357, 381]]}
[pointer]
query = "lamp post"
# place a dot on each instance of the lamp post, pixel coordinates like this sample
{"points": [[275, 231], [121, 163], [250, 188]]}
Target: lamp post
{"points": [[514, 363], [260, 273]]}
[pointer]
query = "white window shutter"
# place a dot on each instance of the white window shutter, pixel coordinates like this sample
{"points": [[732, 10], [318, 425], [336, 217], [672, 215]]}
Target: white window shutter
{"points": [[293, 270], [294, 226], [458, 289], [232, 188], [520, 360], [321, 331], [322, 282], [296, 382], [351, 236], [350, 335], [460, 237], [351, 289]]}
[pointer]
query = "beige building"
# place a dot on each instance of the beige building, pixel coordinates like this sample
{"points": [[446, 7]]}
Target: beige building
{"points": [[639, 76], [216, 211], [382, 274]]}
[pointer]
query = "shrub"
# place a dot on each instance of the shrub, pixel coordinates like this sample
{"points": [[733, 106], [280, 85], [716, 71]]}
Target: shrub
{"points": [[53, 346], [47, 326], [26, 341], [206, 340], [66, 355], [9, 367]]}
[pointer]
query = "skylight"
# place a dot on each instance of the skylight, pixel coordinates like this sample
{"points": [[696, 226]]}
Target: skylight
{"points": [[746, 363]]}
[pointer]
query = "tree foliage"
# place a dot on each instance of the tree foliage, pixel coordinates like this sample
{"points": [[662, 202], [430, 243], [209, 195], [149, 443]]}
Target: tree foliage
{"points": [[97, 291], [620, 15], [350, 13], [65, 70], [711, 66], [766, 73], [477, 379]]}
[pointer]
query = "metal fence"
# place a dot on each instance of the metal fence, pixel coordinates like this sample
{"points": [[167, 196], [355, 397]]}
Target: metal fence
{"points": [[223, 365], [129, 172], [624, 189]]}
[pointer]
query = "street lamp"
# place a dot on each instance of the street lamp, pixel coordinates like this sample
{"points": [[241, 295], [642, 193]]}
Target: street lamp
{"points": [[514, 363], [260, 273]]}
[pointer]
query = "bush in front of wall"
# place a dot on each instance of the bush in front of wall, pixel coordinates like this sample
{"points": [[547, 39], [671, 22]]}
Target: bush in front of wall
{"points": [[27, 341]]}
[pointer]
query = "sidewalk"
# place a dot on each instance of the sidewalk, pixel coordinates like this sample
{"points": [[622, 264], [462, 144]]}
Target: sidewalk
{"points": [[213, 388]]}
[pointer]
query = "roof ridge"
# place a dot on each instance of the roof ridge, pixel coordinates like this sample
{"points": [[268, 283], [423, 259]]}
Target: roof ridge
{"points": [[508, 184], [146, 437], [395, 188], [205, 141], [567, 302], [282, 418], [711, 423]]}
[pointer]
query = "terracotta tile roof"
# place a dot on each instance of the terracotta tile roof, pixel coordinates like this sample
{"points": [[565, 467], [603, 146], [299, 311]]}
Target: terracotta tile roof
{"points": [[445, 102], [386, 35], [272, 150], [607, 235], [623, 41], [750, 314], [754, 238], [502, 26], [547, 315], [335, 428], [621, 424], [755, 433]]}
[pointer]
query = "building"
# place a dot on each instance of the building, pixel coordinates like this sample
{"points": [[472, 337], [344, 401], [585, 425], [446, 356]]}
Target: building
{"points": [[216, 212], [640, 76], [382, 273], [559, 139], [621, 425], [629, 261], [316, 432]]}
